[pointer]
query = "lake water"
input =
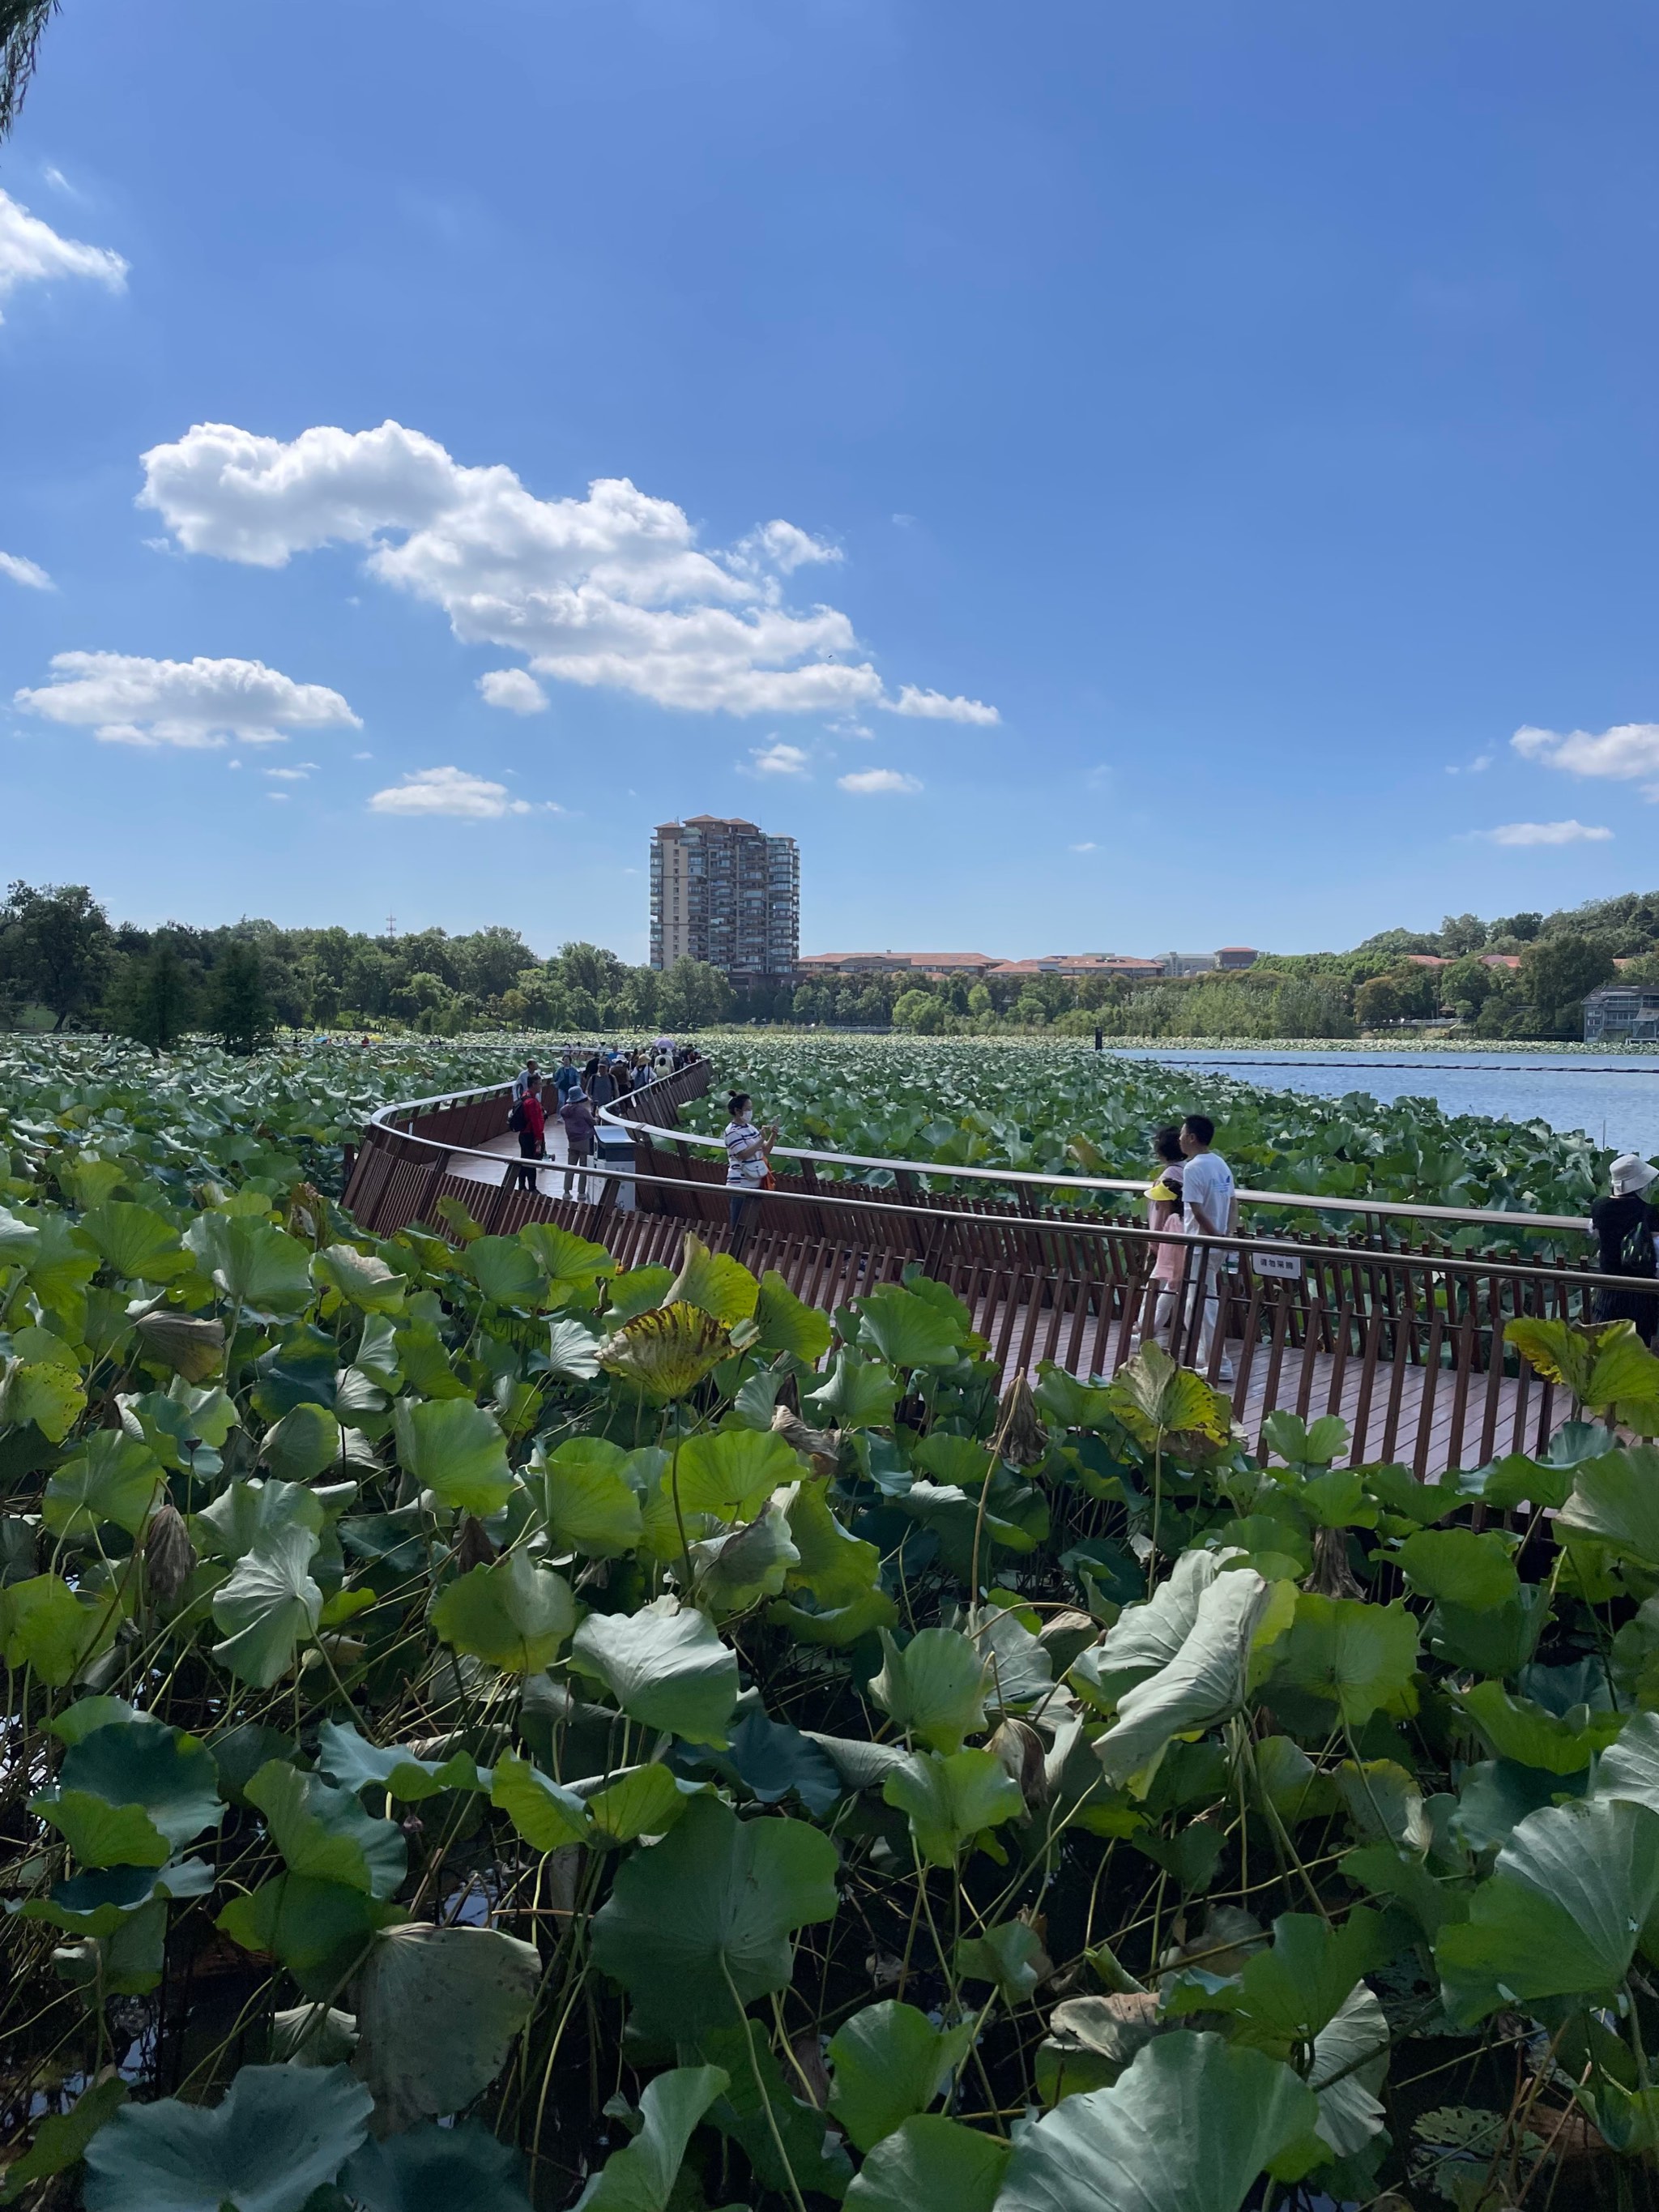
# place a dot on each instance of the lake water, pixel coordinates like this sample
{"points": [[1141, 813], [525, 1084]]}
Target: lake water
{"points": [[1613, 1097]]}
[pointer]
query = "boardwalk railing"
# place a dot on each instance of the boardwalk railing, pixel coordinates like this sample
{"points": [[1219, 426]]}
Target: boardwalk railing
{"points": [[1407, 1346]]}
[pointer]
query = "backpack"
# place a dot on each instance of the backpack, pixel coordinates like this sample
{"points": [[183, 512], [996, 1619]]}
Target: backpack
{"points": [[515, 1119], [1636, 1252]]}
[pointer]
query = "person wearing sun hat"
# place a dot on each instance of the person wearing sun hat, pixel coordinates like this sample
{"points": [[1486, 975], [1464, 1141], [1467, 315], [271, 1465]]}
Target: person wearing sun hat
{"points": [[1625, 1225]]}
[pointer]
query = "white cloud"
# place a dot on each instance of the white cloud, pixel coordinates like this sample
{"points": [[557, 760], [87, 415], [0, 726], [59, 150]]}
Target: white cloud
{"points": [[1627, 750], [935, 707], [512, 689], [431, 791], [276, 795], [779, 759], [1545, 833], [130, 700], [613, 590], [868, 782], [1478, 766], [32, 252], [301, 774], [26, 572], [1089, 846]]}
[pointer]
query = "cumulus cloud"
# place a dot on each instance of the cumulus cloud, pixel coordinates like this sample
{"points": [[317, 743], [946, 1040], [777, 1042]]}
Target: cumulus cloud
{"points": [[935, 707], [612, 590], [1088, 846], [779, 759], [130, 700], [29, 572], [32, 252], [1625, 752], [301, 774], [451, 791], [871, 782], [1478, 766], [514, 690], [1546, 833]]}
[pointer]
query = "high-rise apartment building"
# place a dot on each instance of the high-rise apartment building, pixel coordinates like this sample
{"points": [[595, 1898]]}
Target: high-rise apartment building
{"points": [[724, 892]]}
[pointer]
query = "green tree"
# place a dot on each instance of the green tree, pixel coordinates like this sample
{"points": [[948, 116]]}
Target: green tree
{"points": [[21, 22], [1378, 1003], [155, 999], [919, 1012], [239, 1005], [55, 945], [1461, 933], [693, 995], [1558, 973]]}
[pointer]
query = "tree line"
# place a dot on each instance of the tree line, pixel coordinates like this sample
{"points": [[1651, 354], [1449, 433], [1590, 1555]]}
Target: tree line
{"points": [[65, 963]]}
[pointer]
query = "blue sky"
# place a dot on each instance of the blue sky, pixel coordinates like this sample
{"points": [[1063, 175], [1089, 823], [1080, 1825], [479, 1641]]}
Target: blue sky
{"points": [[1252, 406]]}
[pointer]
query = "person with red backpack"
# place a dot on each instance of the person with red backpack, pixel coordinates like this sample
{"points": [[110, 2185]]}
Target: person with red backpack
{"points": [[531, 1124]]}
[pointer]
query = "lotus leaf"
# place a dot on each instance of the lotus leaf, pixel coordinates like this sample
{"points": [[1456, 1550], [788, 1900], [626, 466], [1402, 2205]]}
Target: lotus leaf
{"points": [[278, 2133], [665, 1666], [934, 1687], [930, 2163], [438, 2009], [512, 1614]]}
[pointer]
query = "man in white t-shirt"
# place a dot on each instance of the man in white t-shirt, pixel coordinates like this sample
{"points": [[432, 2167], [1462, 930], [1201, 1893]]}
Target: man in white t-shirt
{"points": [[1207, 1209]]}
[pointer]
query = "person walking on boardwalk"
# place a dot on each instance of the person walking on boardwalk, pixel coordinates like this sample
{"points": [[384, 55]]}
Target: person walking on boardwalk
{"points": [[1625, 1225], [530, 1122], [521, 1080], [748, 1156], [1208, 1208], [568, 1077], [1163, 1210], [578, 1127]]}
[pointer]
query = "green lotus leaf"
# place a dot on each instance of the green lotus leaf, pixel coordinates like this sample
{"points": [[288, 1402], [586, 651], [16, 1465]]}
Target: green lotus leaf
{"points": [[1516, 1480], [545, 1814], [890, 2062], [1207, 1679], [714, 1283], [252, 1263], [785, 1324], [246, 1513], [836, 1566], [1382, 1799], [193, 1348], [702, 1923], [1155, 1399], [1613, 1502], [1357, 1657], [930, 2163], [144, 1766], [87, 1714], [44, 1625], [135, 1243], [302, 1444], [934, 1687], [42, 1392], [642, 1801], [438, 2009], [770, 1758], [60, 1265], [573, 1351], [734, 1572], [100, 1900], [731, 1474], [319, 1930], [1298, 1445], [101, 1834], [505, 1271], [587, 1503], [763, 2112], [114, 1481], [437, 2169], [836, 1628], [1630, 1767], [568, 1261], [641, 2177], [347, 1759], [61, 2139], [1475, 1571], [906, 1331], [1292, 1992], [1519, 1729], [361, 1278], [667, 1351], [1494, 1797], [128, 1962], [1497, 1643], [1010, 1956], [665, 1666], [636, 1292], [512, 1613], [860, 1394], [325, 1834], [950, 1800], [1600, 1366], [1147, 1636], [1561, 1914], [279, 2133], [268, 1605], [1350, 2060], [456, 1450], [1189, 2127]]}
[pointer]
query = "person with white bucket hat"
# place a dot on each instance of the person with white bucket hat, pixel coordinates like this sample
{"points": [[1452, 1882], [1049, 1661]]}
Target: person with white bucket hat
{"points": [[1625, 1225]]}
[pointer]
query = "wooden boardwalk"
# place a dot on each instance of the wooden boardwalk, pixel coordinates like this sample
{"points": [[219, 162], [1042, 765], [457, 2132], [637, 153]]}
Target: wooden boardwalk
{"points": [[1406, 1346]]}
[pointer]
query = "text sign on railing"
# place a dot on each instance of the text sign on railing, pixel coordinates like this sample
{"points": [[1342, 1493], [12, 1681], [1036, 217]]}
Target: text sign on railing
{"points": [[1279, 1266]]}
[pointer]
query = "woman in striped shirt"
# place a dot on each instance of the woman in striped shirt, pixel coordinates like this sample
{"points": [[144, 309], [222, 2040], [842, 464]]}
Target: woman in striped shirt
{"points": [[748, 1154]]}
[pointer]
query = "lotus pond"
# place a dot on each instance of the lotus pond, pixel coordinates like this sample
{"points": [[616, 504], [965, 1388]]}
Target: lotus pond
{"points": [[485, 1730]]}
